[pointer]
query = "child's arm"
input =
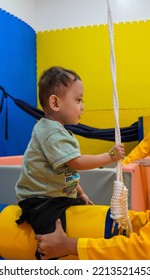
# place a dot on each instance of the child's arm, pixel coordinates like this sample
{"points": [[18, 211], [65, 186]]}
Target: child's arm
{"points": [[83, 196], [85, 162]]}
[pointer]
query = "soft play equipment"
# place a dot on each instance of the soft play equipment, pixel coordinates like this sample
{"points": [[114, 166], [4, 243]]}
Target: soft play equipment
{"points": [[18, 242], [11, 160]]}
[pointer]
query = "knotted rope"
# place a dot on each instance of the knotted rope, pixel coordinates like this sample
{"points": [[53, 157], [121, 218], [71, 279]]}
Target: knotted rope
{"points": [[119, 200]]}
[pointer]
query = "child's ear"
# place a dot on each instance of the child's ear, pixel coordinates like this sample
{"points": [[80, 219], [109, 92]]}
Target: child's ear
{"points": [[54, 102]]}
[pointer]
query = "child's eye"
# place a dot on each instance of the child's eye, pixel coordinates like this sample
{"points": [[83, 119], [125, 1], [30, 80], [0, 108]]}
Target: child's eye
{"points": [[80, 100]]}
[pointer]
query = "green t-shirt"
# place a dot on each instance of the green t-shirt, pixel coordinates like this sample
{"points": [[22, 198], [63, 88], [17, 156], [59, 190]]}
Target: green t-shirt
{"points": [[44, 171]]}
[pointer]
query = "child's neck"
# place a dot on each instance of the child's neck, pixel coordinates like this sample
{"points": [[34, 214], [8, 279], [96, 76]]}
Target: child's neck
{"points": [[53, 118]]}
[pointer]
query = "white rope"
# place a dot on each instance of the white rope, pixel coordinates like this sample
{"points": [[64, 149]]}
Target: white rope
{"points": [[119, 201]]}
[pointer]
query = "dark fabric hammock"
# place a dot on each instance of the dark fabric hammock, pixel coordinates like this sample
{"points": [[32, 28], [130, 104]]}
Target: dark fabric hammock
{"points": [[128, 134]]}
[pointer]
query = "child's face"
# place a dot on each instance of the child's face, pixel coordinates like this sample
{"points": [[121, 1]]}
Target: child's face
{"points": [[71, 105]]}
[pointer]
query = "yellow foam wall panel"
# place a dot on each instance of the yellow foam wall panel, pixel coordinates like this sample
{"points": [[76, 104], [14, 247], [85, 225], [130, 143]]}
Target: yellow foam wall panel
{"points": [[87, 51], [146, 125]]}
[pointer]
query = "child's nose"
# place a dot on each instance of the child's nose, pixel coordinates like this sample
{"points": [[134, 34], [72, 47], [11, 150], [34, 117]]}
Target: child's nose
{"points": [[82, 107]]}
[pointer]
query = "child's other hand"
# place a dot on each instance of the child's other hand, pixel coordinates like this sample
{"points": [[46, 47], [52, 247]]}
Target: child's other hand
{"points": [[117, 152], [85, 198]]}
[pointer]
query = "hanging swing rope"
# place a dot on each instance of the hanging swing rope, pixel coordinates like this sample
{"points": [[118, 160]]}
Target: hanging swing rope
{"points": [[119, 200]]}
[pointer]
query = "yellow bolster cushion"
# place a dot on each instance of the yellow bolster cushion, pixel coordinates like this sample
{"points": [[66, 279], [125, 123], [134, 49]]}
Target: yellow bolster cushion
{"points": [[18, 242]]}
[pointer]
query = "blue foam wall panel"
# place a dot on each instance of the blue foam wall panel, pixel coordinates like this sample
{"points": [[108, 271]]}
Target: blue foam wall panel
{"points": [[18, 77]]}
